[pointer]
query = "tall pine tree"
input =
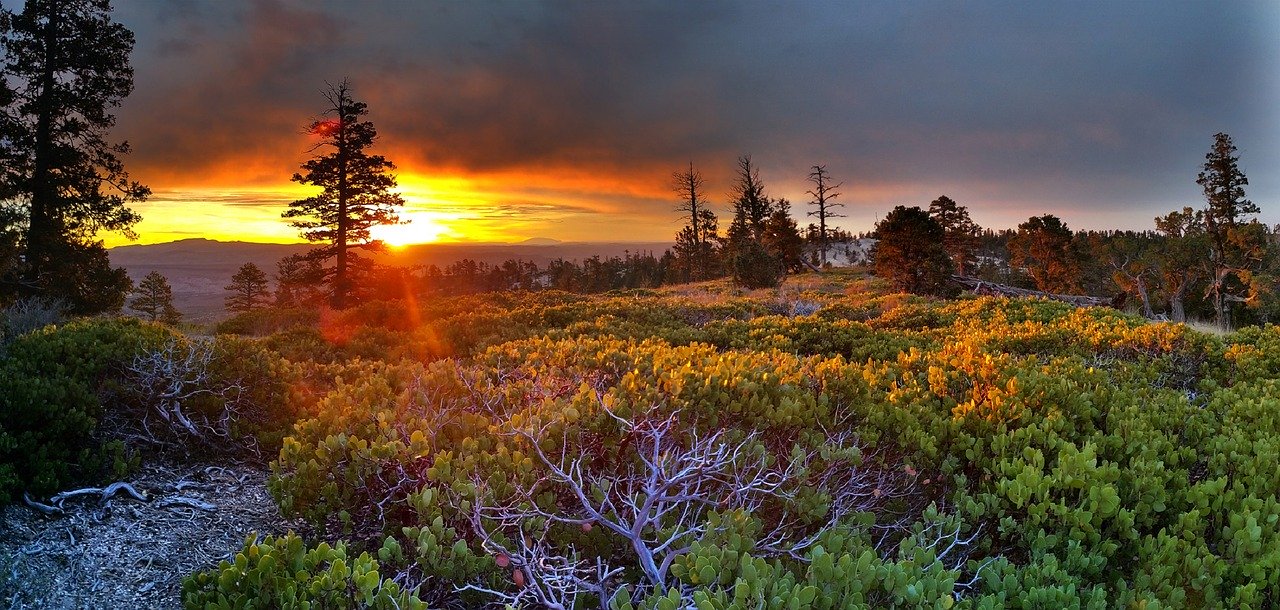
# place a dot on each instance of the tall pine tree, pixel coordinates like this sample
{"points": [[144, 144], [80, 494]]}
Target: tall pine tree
{"points": [[248, 288], [1238, 244], [356, 195], [153, 298], [64, 182], [960, 233]]}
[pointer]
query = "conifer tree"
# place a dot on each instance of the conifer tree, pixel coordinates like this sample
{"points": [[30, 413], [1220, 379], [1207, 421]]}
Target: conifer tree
{"points": [[1238, 247], [960, 234], [749, 260], [153, 298], [1179, 262], [297, 279], [909, 252], [356, 195], [248, 289], [696, 250], [782, 237], [748, 197], [69, 65], [1043, 248]]}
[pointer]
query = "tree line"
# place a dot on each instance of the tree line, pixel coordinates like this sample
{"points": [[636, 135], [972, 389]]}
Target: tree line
{"points": [[1216, 262]]}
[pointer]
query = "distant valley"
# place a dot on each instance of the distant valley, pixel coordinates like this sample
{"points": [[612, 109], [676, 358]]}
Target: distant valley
{"points": [[198, 269]]}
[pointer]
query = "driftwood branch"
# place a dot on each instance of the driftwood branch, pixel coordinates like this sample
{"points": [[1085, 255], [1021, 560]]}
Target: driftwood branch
{"points": [[187, 502], [56, 507], [45, 509]]}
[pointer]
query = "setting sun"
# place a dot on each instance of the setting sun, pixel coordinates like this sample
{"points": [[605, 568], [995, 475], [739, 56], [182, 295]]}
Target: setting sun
{"points": [[418, 228]]}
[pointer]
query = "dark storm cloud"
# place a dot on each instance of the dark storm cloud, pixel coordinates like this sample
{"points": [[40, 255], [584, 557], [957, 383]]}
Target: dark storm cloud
{"points": [[1096, 106]]}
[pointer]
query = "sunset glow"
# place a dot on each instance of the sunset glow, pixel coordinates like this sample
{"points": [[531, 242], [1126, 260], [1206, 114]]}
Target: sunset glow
{"points": [[577, 142], [416, 228]]}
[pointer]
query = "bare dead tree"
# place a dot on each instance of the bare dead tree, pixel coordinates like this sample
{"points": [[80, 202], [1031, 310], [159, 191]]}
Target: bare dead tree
{"points": [[823, 194], [660, 503], [541, 572], [688, 185]]}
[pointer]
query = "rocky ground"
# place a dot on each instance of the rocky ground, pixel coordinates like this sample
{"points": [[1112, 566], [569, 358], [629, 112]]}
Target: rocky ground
{"points": [[123, 553]]}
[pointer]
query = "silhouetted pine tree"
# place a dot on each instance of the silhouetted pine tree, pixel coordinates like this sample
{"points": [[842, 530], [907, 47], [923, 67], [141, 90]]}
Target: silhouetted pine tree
{"points": [[248, 289], [70, 64], [356, 197], [153, 298]]}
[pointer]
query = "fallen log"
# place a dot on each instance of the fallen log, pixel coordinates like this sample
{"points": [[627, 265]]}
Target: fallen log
{"points": [[984, 287]]}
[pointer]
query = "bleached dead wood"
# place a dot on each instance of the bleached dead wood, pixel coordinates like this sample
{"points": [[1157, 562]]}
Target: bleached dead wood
{"points": [[171, 377], [983, 287], [103, 493], [660, 504], [187, 502], [56, 505]]}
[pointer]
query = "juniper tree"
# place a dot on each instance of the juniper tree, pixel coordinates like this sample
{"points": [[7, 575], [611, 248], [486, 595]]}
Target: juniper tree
{"points": [[1179, 262], [68, 64], [153, 298], [909, 252], [356, 194], [248, 289], [823, 194]]}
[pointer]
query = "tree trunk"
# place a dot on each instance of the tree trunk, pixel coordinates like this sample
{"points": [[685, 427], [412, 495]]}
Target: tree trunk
{"points": [[41, 227], [822, 231], [340, 285], [1221, 315], [1141, 285]]}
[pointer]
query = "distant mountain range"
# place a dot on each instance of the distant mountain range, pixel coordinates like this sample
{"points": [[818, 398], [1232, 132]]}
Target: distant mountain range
{"points": [[198, 269]]}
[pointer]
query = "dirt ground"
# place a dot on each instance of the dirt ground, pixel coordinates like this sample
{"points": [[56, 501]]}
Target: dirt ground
{"points": [[123, 553]]}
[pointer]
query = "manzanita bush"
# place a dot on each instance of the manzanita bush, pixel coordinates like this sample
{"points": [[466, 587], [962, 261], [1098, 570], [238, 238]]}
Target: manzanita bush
{"points": [[659, 451]]}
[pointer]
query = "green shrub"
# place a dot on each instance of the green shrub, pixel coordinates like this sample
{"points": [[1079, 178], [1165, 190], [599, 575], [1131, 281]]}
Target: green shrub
{"points": [[1083, 458], [284, 574], [755, 267], [52, 384], [262, 322]]}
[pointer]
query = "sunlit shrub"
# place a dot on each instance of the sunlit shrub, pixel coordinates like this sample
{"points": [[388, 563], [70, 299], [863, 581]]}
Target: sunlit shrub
{"points": [[284, 573]]}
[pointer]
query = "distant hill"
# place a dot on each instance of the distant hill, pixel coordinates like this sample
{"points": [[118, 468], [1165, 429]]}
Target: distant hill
{"points": [[540, 241], [198, 269]]}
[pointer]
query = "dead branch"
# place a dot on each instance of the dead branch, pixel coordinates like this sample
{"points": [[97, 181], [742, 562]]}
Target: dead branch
{"points": [[660, 504], [45, 509], [187, 502], [174, 375], [103, 493]]}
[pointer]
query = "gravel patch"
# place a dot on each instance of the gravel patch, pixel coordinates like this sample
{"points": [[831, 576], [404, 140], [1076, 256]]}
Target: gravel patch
{"points": [[122, 553]]}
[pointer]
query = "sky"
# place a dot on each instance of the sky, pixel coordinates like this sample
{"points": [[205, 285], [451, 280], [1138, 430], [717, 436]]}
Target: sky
{"points": [[521, 119]]}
